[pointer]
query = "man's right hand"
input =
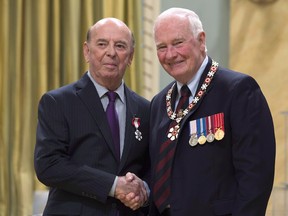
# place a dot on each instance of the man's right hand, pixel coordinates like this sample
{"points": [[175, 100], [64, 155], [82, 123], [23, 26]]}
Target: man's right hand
{"points": [[130, 190]]}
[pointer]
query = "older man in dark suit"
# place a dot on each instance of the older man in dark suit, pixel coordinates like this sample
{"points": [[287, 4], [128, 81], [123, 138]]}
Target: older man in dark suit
{"points": [[92, 165], [212, 136]]}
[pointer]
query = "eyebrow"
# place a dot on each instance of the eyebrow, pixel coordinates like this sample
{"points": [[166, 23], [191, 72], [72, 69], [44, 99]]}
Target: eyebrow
{"points": [[121, 41], [118, 41], [160, 44], [173, 41]]}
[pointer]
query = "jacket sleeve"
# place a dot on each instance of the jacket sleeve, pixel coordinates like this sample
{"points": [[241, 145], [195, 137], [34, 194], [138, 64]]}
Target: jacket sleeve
{"points": [[253, 148], [52, 161]]}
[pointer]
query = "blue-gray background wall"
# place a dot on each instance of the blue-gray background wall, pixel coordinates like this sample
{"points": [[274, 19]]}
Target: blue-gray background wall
{"points": [[214, 15]]}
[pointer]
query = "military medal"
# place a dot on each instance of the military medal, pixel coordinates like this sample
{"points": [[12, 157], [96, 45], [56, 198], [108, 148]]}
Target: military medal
{"points": [[173, 132], [136, 124], [219, 134], [193, 141], [210, 135], [202, 139], [200, 126], [219, 126]]}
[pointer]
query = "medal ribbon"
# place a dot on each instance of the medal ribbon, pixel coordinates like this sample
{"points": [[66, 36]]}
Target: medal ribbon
{"points": [[210, 134], [219, 126], [193, 130], [216, 122], [201, 124], [209, 124], [219, 121], [136, 122], [203, 127], [198, 122]]}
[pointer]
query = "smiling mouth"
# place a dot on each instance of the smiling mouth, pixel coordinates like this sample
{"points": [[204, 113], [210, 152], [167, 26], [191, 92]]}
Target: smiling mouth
{"points": [[175, 63]]}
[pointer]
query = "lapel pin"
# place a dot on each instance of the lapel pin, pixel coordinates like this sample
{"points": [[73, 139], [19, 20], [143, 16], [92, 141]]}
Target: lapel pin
{"points": [[136, 124]]}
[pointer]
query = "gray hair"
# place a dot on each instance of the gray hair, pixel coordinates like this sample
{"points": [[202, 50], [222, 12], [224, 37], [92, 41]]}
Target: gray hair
{"points": [[195, 23], [194, 20]]}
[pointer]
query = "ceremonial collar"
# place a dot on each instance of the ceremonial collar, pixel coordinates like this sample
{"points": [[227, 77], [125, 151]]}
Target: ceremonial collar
{"points": [[174, 130]]}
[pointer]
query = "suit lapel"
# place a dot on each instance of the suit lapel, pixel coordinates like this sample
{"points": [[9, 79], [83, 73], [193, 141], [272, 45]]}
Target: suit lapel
{"points": [[165, 120], [129, 139], [204, 74], [88, 95]]}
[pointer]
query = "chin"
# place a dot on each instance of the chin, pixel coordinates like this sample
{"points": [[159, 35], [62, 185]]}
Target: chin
{"points": [[177, 73]]}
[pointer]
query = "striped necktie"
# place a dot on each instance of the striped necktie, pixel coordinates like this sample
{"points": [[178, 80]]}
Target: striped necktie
{"points": [[161, 189]]}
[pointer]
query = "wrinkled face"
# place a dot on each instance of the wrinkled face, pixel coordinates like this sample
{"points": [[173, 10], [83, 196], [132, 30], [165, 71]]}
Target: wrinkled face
{"points": [[108, 52], [179, 52]]}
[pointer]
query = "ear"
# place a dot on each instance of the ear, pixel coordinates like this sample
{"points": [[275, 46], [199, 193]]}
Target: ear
{"points": [[202, 39], [131, 57], [86, 51]]}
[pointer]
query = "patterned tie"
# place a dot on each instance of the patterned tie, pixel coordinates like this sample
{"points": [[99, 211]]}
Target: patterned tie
{"points": [[113, 121], [161, 189]]}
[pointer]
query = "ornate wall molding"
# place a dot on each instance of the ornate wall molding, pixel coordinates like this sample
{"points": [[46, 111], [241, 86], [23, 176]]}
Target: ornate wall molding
{"points": [[263, 1], [151, 66]]}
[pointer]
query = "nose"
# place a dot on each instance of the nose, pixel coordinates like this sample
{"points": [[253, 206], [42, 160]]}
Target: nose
{"points": [[171, 52], [111, 50]]}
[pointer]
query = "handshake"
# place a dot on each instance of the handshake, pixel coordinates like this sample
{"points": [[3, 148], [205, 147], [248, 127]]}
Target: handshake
{"points": [[131, 191]]}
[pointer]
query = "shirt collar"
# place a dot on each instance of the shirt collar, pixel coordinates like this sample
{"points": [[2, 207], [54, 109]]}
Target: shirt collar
{"points": [[193, 83], [102, 90]]}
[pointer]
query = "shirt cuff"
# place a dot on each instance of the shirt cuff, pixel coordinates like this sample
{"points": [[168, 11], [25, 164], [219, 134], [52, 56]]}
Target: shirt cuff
{"points": [[148, 194], [112, 191]]}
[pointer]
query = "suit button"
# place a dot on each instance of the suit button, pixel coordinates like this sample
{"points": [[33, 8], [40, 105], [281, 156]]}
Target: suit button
{"points": [[113, 205]]}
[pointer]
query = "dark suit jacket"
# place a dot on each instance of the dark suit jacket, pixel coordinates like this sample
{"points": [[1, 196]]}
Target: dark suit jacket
{"points": [[74, 153], [233, 176]]}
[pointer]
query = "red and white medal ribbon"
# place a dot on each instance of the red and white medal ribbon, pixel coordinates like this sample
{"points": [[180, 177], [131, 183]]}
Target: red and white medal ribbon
{"points": [[136, 124], [210, 135], [193, 141]]}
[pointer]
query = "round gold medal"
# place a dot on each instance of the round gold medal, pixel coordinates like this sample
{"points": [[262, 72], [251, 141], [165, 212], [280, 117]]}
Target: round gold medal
{"points": [[219, 134], [202, 139]]}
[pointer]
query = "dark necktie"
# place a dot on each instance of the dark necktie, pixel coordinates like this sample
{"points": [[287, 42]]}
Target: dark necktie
{"points": [[161, 189], [113, 121]]}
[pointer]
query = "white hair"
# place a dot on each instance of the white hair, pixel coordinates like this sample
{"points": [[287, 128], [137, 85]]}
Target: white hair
{"points": [[194, 20]]}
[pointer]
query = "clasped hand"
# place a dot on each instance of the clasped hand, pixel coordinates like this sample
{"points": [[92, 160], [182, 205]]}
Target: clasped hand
{"points": [[130, 190]]}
